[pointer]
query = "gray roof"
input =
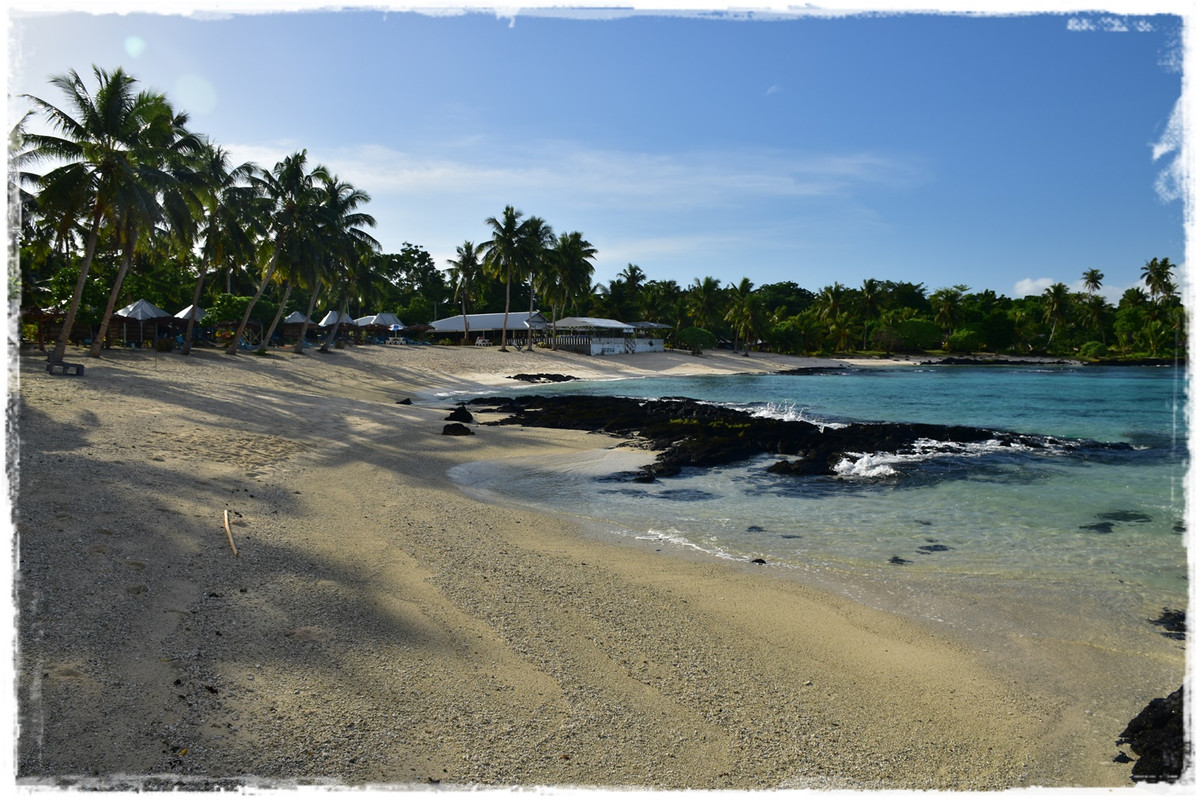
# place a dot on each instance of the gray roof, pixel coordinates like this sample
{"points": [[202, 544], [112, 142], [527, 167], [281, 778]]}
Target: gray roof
{"points": [[384, 319], [142, 309], [517, 320], [592, 322], [332, 317]]}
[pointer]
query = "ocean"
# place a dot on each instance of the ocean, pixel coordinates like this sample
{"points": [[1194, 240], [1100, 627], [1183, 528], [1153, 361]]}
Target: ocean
{"points": [[995, 542]]}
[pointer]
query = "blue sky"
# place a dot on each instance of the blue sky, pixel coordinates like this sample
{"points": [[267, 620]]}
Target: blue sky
{"points": [[999, 151]]}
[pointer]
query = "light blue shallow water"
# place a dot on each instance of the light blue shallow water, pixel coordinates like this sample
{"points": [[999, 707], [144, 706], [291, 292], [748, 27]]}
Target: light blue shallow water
{"points": [[1107, 526]]}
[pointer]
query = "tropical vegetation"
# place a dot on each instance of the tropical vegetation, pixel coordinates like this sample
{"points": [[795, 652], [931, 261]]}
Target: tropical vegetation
{"points": [[119, 199]]}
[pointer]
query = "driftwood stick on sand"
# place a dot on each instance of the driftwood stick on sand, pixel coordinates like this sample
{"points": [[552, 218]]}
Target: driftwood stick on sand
{"points": [[229, 533]]}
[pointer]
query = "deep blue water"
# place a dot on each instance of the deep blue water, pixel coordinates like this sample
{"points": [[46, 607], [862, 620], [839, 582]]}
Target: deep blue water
{"points": [[1108, 525]]}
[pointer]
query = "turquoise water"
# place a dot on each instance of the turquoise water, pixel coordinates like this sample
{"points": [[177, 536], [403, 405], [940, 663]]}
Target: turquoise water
{"points": [[1107, 526]]}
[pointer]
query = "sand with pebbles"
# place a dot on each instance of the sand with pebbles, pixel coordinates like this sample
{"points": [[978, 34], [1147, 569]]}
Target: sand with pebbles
{"points": [[377, 627]]}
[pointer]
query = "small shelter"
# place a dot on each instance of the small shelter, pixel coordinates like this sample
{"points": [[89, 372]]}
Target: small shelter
{"points": [[331, 319], [141, 312], [380, 325], [183, 315]]}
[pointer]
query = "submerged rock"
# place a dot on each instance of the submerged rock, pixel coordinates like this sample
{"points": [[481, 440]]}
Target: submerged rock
{"points": [[1174, 621]]}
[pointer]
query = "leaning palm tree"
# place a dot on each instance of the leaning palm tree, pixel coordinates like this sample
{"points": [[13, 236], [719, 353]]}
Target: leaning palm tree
{"points": [[465, 271], [292, 192], [502, 258], [165, 190], [97, 140], [1056, 302]]}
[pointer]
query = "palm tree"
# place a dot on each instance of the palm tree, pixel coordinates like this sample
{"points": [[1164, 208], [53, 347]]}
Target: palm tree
{"points": [[947, 307], [294, 220], [165, 190], [743, 314], [1092, 279], [230, 224], [1157, 275], [502, 258], [98, 140], [703, 298], [537, 238], [464, 274], [870, 296], [569, 274], [348, 245], [832, 302], [1056, 304]]}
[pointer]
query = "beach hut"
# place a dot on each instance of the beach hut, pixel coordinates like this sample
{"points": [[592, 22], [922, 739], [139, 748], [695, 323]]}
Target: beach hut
{"points": [[141, 312], [183, 314], [380, 325], [331, 319]]}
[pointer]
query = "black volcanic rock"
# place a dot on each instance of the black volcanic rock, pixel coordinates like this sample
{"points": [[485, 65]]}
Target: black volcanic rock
{"points": [[688, 433], [1156, 736], [542, 377], [457, 429], [460, 414]]}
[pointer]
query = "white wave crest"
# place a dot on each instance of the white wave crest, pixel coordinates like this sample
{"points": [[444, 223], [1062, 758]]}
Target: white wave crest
{"points": [[882, 465]]}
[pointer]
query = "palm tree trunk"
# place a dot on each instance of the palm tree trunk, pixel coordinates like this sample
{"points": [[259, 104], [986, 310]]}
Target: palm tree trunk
{"points": [[504, 328], [275, 322], [98, 342], [529, 321], [232, 349], [298, 348], [466, 325], [337, 323], [186, 349], [60, 347]]}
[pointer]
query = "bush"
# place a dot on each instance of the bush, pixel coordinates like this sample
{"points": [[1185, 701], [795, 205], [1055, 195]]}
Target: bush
{"points": [[916, 335], [1093, 350], [695, 339], [965, 340]]}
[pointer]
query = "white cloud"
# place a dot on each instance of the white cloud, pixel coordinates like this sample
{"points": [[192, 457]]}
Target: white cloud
{"points": [[1172, 179], [1028, 286]]}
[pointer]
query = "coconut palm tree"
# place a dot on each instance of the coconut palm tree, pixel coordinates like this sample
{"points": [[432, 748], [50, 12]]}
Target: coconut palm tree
{"points": [[703, 299], [465, 272], [1157, 276], [1092, 280], [744, 313], [947, 307], [166, 191], [537, 239], [231, 222], [350, 247], [569, 274], [869, 296], [502, 258], [294, 218], [98, 141], [1056, 302]]}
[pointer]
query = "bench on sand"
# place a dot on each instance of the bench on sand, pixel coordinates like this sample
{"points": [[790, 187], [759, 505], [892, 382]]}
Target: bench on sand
{"points": [[64, 368]]}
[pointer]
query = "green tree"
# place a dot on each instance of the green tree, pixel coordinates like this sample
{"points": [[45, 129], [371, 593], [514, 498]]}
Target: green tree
{"points": [[1056, 302], [1092, 279], [98, 140], [465, 271], [570, 274], [744, 313], [537, 240], [502, 258], [704, 297], [293, 193], [230, 223]]}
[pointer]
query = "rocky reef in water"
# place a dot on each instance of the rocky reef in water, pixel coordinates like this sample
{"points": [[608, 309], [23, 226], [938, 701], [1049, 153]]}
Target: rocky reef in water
{"points": [[688, 433]]}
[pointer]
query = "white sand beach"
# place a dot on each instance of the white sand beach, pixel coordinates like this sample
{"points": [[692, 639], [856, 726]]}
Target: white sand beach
{"points": [[378, 627]]}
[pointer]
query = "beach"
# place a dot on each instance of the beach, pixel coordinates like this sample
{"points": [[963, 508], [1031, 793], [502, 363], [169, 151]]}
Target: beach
{"points": [[364, 622]]}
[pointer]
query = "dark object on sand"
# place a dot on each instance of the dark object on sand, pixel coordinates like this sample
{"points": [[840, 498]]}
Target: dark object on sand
{"points": [[460, 414], [1174, 621], [1156, 736], [457, 429], [405, 402]]}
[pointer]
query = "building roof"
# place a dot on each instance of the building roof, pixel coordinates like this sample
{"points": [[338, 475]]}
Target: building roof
{"points": [[490, 322], [592, 322]]}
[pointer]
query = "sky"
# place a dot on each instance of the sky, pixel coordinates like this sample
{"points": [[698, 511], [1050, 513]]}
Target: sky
{"points": [[996, 149]]}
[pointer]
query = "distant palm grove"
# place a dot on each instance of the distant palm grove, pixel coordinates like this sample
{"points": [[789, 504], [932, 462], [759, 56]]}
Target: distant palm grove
{"points": [[120, 200]]}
